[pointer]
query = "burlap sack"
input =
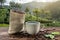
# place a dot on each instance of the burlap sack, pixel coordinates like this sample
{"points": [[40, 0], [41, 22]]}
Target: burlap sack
{"points": [[17, 19]]}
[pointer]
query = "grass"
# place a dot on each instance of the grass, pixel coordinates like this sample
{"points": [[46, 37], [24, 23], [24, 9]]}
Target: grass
{"points": [[4, 25]]}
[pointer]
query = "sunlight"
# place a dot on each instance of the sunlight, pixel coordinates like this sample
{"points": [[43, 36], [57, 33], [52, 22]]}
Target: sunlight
{"points": [[26, 1], [45, 0]]}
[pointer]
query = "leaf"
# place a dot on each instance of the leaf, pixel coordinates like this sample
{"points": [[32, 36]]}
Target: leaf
{"points": [[55, 33], [50, 36]]}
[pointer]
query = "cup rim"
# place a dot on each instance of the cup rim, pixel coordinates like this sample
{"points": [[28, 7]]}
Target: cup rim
{"points": [[33, 22]]}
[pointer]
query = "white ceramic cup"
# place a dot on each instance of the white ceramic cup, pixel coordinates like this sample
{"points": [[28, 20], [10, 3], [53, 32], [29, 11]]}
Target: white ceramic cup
{"points": [[32, 27]]}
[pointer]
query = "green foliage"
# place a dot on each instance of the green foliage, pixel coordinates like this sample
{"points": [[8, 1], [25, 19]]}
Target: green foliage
{"points": [[54, 8], [42, 13], [36, 12], [15, 5], [27, 9], [42, 20], [46, 22], [4, 15], [50, 36], [29, 17], [2, 2], [56, 24], [55, 33]]}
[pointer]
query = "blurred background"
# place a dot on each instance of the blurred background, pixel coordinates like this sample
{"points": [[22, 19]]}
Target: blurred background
{"points": [[48, 11]]}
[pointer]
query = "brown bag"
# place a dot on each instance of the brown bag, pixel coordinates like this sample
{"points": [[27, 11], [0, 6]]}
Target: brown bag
{"points": [[17, 19]]}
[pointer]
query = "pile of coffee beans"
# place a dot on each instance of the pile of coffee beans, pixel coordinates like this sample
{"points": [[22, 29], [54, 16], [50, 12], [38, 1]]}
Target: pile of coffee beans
{"points": [[38, 36]]}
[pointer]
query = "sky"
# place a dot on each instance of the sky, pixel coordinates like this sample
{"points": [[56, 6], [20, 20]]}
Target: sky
{"points": [[26, 1]]}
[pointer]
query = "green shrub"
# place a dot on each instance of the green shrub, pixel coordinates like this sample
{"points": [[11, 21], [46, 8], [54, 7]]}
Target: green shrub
{"points": [[42, 20], [46, 22], [4, 15], [52, 24], [29, 17], [34, 18]]}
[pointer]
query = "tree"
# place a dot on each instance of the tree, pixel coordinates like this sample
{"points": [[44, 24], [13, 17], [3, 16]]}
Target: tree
{"points": [[47, 14], [54, 8], [36, 12], [27, 9], [12, 4], [15, 5], [3, 15], [2, 2]]}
